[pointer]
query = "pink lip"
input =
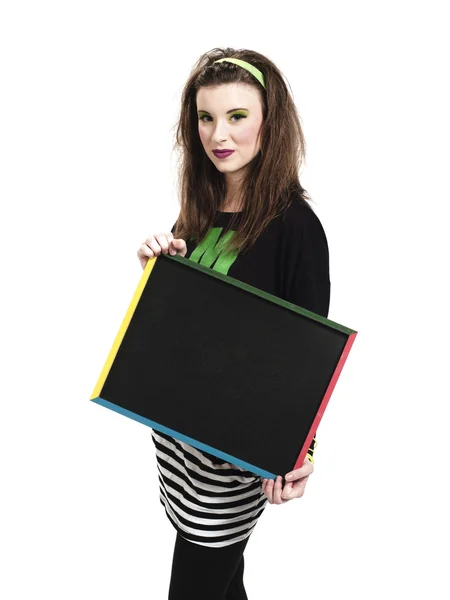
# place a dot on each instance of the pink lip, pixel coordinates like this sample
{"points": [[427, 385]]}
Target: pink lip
{"points": [[223, 153]]}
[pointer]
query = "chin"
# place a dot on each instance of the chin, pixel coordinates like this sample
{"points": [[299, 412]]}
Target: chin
{"points": [[225, 168], [229, 168]]}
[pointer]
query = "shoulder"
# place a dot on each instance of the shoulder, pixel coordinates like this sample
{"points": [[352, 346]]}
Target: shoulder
{"points": [[298, 212], [300, 222]]}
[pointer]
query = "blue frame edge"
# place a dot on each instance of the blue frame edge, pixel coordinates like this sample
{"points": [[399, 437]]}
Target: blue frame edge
{"points": [[184, 438]]}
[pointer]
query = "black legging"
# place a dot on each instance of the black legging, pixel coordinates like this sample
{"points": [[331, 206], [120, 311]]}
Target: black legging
{"points": [[205, 573]]}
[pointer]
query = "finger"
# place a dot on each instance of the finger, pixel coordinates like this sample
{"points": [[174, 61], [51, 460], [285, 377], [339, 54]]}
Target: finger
{"points": [[169, 242], [153, 244], [287, 493], [304, 471], [161, 238], [179, 245], [144, 250], [277, 490], [269, 490]]}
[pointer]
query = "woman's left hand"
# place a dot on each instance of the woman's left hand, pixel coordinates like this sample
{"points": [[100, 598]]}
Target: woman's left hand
{"points": [[294, 486]]}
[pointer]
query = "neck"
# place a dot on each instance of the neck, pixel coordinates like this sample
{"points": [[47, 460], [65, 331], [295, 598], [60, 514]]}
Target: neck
{"points": [[233, 199]]}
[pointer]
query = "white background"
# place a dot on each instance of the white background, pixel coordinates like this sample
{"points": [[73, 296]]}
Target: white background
{"points": [[89, 96]]}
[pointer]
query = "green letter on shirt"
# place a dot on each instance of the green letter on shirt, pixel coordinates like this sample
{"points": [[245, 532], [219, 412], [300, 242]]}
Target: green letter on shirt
{"points": [[210, 249]]}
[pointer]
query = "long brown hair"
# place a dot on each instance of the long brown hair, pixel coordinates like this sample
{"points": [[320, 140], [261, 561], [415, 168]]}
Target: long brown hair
{"points": [[271, 179]]}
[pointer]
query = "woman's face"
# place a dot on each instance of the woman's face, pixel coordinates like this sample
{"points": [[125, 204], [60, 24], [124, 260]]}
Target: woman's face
{"points": [[229, 118]]}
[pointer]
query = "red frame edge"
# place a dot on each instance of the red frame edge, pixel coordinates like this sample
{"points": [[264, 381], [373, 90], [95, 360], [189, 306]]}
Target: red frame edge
{"points": [[326, 398]]}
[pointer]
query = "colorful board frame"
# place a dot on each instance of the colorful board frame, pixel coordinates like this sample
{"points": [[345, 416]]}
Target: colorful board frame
{"points": [[223, 366]]}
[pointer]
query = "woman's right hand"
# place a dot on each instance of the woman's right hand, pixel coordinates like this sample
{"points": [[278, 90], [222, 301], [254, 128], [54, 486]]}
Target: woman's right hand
{"points": [[160, 243]]}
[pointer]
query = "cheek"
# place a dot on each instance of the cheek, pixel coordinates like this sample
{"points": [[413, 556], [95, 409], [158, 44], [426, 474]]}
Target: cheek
{"points": [[203, 135], [247, 135]]}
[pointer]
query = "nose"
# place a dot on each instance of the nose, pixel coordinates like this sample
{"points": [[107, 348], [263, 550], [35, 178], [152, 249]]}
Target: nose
{"points": [[220, 133]]}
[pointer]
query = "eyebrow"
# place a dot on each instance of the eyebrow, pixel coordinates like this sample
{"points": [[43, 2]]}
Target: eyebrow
{"points": [[228, 111]]}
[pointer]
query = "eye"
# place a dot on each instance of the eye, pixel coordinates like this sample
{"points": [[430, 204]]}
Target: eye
{"points": [[239, 115]]}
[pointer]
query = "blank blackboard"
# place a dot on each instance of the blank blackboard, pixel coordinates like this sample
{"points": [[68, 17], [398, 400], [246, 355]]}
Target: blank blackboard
{"points": [[223, 366]]}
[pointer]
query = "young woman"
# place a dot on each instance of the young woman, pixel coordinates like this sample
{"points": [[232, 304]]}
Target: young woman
{"points": [[245, 214]]}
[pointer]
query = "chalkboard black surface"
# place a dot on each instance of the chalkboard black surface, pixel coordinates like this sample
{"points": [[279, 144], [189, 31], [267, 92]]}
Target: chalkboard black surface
{"points": [[223, 366]]}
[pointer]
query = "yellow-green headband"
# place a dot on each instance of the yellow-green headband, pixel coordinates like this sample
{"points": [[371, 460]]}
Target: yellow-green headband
{"points": [[245, 65]]}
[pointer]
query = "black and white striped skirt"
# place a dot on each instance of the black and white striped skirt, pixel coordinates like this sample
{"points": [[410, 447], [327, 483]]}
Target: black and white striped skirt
{"points": [[209, 501]]}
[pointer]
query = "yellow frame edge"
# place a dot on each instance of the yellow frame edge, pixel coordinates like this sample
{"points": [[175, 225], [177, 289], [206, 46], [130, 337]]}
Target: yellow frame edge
{"points": [[126, 321]]}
